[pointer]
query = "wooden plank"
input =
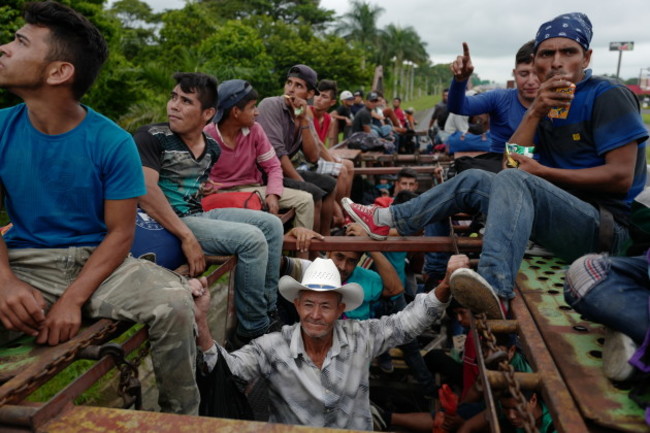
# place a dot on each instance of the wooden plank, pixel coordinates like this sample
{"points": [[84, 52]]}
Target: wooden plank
{"points": [[393, 243]]}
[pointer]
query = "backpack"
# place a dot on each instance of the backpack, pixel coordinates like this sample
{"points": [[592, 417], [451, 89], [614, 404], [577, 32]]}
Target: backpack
{"points": [[220, 393], [367, 142]]}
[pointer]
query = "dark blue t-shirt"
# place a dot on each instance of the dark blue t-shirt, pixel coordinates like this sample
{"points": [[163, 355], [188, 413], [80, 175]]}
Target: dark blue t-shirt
{"points": [[603, 116]]}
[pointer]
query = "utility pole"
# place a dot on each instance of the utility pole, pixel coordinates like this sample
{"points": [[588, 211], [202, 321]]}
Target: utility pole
{"points": [[620, 47]]}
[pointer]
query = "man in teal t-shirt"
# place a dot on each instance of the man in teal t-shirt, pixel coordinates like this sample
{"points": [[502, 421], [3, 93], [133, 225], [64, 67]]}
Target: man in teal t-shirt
{"points": [[71, 180]]}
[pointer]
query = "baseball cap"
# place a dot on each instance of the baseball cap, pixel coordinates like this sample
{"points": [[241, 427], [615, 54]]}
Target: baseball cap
{"points": [[306, 73], [373, 96], [346, 94], [358, 93], [230, 93]]}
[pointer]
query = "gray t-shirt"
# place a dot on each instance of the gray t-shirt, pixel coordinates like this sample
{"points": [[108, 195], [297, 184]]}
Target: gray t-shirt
{"points": [[279, 126]]}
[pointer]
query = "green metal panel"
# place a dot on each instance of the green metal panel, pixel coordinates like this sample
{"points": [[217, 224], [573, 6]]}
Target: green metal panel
{"points": [[576, 347]]}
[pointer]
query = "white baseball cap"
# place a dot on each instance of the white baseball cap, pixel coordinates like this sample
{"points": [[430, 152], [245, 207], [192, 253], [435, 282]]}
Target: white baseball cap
{"points": [[346, 94]]}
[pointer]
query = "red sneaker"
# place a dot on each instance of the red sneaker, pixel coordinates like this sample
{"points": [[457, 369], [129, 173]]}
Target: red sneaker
{"points": [[364, 216]]}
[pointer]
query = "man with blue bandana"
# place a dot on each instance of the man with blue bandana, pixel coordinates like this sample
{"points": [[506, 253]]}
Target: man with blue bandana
{"points": [[572, 198]]}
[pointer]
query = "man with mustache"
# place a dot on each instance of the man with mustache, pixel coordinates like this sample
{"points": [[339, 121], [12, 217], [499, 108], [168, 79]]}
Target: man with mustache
{"points": [[317, 370], [572, 198]]}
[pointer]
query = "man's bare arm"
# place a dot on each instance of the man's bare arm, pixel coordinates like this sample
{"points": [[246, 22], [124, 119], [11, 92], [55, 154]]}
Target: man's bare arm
{"points": [[615, 176], [389, 277], [288, 170], [157, 207]]}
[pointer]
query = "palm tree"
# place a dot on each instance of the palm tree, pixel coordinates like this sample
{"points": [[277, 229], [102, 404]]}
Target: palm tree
{"points": [[400, 45], [359, 26]]}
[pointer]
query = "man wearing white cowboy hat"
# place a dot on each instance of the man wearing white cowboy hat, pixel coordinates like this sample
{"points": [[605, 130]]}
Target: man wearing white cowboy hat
{"points": [[317, 370]]}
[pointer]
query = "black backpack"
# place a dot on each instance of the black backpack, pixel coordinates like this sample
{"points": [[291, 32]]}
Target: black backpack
{"points": [[220, 394]]}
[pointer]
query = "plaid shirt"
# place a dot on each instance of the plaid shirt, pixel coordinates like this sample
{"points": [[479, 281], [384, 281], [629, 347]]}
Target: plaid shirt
{"points": [[335, 396]]}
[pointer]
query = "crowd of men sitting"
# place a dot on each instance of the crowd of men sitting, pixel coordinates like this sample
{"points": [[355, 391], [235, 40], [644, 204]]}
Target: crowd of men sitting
{"points": [[72, 182]]}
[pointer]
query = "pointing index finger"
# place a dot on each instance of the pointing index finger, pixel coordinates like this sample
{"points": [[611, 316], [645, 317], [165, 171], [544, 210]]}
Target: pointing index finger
{"points": [[465, 49]]}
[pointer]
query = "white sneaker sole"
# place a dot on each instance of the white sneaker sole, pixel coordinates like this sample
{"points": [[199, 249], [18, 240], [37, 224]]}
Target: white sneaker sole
{"points": [[345, 202], [473, 292], [617, 350]]}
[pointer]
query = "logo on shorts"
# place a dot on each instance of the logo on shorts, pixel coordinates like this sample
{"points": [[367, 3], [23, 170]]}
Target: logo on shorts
{"points": [[144, 221]]}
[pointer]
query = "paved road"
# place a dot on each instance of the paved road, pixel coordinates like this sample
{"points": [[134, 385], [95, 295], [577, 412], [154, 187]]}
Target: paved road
{"points": [[422, 118]]}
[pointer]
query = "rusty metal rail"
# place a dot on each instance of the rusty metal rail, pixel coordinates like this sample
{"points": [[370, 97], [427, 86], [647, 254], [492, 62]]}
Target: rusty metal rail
{"points": [[393, 243], [82, 419], [574, 346], [29, 367]]}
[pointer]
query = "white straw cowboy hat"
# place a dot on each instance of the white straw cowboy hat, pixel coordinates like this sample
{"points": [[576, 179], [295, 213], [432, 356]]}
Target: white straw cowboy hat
{"points": [[322, 276]]}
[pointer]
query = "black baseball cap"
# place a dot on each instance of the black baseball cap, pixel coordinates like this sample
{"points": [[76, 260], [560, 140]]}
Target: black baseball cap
{"points": [[373, 97], [306, 73]]}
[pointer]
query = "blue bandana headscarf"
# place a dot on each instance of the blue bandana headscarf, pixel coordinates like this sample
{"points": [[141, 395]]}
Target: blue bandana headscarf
{"points": [[575, 26]]}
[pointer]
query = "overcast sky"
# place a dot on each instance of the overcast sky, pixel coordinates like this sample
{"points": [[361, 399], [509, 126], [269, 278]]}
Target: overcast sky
{"points": [[495, 29]]}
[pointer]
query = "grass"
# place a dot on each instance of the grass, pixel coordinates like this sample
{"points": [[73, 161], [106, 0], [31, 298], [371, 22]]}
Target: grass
{"points": [[422, 103]]}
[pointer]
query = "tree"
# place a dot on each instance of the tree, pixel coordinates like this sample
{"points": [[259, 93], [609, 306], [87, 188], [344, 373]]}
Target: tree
{"points": [[399, 45], [11, 20], [297, 12], [185, 28], [330, 56], [139, 25], [132, 13], [237, 50], [359, 27]]}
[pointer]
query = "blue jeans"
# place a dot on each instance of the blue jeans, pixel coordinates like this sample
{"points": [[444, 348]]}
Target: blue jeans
{"points": [[613, 291], [519, 206], [256, 238]]}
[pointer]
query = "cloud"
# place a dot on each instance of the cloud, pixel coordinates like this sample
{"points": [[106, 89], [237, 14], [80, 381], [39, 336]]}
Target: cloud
{"points": [[496, 29]]}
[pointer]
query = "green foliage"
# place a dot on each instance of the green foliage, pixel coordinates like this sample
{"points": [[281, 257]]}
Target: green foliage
{"points": [[11, 18], [359, 27], [299, 12], [257, 40], [236, 50], [184, 28]]}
